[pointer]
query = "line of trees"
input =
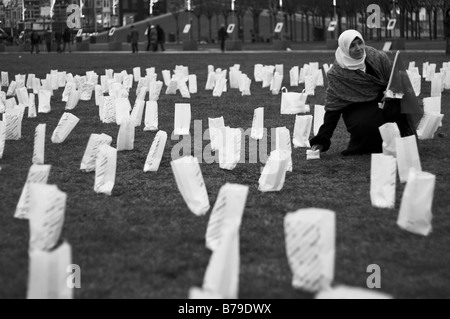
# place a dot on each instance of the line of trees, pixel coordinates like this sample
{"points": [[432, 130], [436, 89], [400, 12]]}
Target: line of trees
{"points": [[318, 13]]}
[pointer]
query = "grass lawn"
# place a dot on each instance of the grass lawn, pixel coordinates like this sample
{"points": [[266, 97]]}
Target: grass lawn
{"points": [[143, 242]]}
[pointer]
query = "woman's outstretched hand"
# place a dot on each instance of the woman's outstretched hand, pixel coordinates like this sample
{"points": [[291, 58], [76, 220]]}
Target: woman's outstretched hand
{"points": [[317, 147]]}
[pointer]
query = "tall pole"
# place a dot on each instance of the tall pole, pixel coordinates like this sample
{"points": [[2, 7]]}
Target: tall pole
{"points": [[95, 16], [394, 12], [233, 17], [335, 19]]}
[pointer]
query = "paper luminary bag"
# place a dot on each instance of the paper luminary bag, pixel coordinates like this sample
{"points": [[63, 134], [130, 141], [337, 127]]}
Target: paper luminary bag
{"points": [[38, 174], [221, 84], [310, 236], [182, 119], [351, 293], [10, 104], [39, 145], [234, 78], [229, 207], [310, 85], [13, 124], [416, 81], [125, 137], [215, 131], [88, 163], [193, 84], [283, 143], [383, 178], [432, 105], [151, 116], [22, 96], [274, 173], [2, 102], [211, 81], [137, 74], [107, 112], [302, 130], [294, 73], [156, 152], [277, 83], [184, 90], [105, 169], [65, 126], [166, 77], [4, 79], [155, 88], [293, 102], [436, 86], [32, 108], [11, 89], [44, 101], [415, 211], [431, 71], [2, 138], [69, 87], [150, 71], [429, 125], [312, 155], [172, 87], [389, 132], [407, 156], [123, 109], [74, 98], [142, 88], [319, 115], [62, 78], [128, 82], [257, 132], [258, 73], [138, 112], [222, 274], [191, 185], [86, 91], [98, 95], [230, 148], [109, 73], [246, 84], [46, 215], [47, 278]]}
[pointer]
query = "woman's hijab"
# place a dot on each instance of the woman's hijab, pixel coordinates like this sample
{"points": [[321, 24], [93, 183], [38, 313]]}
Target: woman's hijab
{"points": [[343, 57]]}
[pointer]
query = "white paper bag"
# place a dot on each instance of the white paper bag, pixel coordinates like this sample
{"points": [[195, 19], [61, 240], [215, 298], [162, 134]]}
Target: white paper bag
{"points": [[11, 89], [5, 79], [90, 154], [429, 125], [229, 207], [293, 102], [383, 178], [70, 86], [62, 77], [258, 124], [138, 112], [44, 101], [310, 236], [221, 84], [310, 85], [22, 96], [2, 138], [38, 174], [172, 87], [98, 95], [436, 86], [182, 119], [283, 143], [277, 83], [125, 138], [302, 131], [258, 73], [415, 211], [312, 155], [156, 152], [32, 108], [155, 90], [13, 124], [230, 148], [274, 173], [108, 111], [151, 116], [211, 81], [142, 88], [166, 77], [407, 156], [137, 74], [294, 73], [65, 126], [48, 273], [319, 115], [191, 185], [123, 109], [432, 105], [105, 169], [215, 131], [184, 90], [39, 145], [74, 98], [2, 102], [389, 132], [193, 84]]}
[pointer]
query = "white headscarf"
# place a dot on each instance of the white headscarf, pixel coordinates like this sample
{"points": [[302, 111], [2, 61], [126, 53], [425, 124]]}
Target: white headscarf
{"points": [[343, 57]]}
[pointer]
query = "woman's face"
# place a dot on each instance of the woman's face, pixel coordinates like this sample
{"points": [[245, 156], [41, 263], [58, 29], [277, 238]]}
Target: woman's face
{"points": [[357, 49]]}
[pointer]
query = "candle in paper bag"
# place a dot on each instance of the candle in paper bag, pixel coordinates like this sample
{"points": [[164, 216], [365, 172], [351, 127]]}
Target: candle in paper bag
{"points": [[283, 142], [258, 124], [98, 95], [5, 79], [138, 112], [128, 81], [70, 86], [277, 83], [65, 126], [416, 81], [22, 96], [191, 185], [46, 215], [182, 119], [230, 148], [151, 116], [48, 273], [193, 84], [108, 111], [118, 78], [2, 102], [351, 293], [90, 155], [104, 83], [184, 90], [150, 71], [246, 86], [74, 98], [320, 81], [431, 71], [293, 102], [383, 178], [172, 87], [62, 79], [86, 92], [125, 138], [11, 89], [429, 125], [319, 115], [432, 105], [137, 73], [39, 145], [274, 172], [415, 211], [123, 109], [215, 126], [10, 104], [109, 73], [310, 236], [310, 85], [142, 88], [156, 152], [229, 207], [312, 155], [166, 77], [211, 81], [294, 73], [105, 169], [302, 131], [258, 73], [234, 78], [389, 132], [2, 138], [155, 90], [38, 174], [407, 156], [221, 84], [326, 68], [44, 101], [13, 124], [32, 108], [436, 86]]}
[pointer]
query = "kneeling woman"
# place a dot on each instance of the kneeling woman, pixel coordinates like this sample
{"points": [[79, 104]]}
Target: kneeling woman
{"points": [[356, 85]]}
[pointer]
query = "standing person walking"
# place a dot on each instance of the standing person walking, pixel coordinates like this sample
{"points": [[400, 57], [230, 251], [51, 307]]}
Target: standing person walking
{"points": [[58, 40], [48, 40], [35, 40], [154, 38], [161, 38], [134, 38], [148, 34], [447, 30], [67, 38], [222, 36]]}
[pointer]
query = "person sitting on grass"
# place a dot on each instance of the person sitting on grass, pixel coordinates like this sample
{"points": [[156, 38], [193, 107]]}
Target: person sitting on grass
{"points": [[357, 82]]}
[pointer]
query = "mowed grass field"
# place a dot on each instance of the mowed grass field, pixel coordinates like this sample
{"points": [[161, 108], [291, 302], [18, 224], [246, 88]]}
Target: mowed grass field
{"points": [[143, 242]]}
